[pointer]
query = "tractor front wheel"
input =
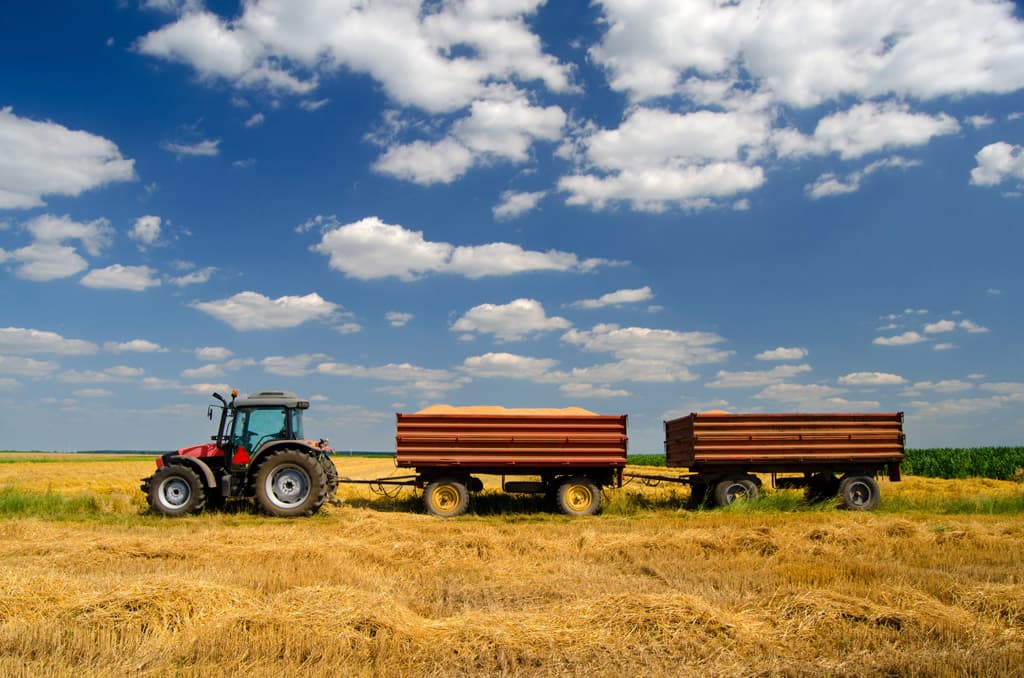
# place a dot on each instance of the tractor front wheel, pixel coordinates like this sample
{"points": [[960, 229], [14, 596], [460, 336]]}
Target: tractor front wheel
{"points": [[290, 483], [176, 490]]}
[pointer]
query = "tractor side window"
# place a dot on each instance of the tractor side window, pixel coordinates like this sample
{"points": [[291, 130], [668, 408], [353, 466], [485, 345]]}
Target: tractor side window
{"points": [[297, 424], [254, 427]]}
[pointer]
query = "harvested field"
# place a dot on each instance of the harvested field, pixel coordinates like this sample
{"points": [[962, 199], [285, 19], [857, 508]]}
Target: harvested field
{"points": [[931, 584]]}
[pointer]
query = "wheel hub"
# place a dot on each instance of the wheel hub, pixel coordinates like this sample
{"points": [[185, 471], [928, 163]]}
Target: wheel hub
{"points": [[289, 487], [860, 494], [175, 492], [736, 491], [445, 498], [579, 497]]}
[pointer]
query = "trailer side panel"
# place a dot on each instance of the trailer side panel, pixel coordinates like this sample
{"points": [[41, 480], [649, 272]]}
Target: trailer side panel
{"points": [[770, 442], [510, 443]]}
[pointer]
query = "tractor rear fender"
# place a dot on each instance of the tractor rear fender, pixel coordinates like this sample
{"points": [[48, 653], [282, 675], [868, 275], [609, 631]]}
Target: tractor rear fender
{"points": [[278, 445], [197, 465]]}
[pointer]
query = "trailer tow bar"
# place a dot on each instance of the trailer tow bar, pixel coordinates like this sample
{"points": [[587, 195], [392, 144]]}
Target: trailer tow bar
{"points": [[653, 480], [378, 485]]}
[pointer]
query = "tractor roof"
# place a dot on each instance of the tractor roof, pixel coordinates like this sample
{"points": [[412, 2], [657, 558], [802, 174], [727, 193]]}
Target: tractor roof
{"points": [[272, 399]]}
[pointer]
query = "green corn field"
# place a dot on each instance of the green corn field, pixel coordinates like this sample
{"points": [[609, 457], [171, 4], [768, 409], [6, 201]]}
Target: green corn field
{"points": [[998, 463]]}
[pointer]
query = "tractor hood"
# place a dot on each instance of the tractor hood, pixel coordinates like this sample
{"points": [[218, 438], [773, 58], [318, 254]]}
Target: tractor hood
{"points": [[201, 451]]}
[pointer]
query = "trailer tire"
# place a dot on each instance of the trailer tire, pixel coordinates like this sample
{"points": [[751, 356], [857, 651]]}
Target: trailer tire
{"points": [[859, 492], [736, 488], [176, 490], [578, 496], [446, 497], [290, 483]]}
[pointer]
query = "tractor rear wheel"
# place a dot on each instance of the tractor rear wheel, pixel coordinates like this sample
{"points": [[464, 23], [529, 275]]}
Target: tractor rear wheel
{"points": [[290, 483], [176, 490]]}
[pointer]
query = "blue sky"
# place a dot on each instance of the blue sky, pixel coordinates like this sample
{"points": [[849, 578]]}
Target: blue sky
{"points": [[647, 208]]}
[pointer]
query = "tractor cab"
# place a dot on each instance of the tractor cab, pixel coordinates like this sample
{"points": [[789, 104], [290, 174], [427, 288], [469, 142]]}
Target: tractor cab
{"points": [[248, 424]]}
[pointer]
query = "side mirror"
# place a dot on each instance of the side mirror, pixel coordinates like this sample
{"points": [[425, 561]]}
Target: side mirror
{"points": [[209, 412]]}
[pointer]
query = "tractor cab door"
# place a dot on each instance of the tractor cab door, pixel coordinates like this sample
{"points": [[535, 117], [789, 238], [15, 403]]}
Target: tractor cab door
{"points": [[252, 428]]}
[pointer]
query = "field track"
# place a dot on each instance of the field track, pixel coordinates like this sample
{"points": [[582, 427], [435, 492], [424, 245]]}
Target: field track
{"points": [[931, 584]]}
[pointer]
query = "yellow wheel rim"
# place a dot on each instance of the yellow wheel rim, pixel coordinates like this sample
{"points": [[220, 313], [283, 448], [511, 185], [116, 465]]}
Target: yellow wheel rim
{"points": [[579, 497], [444, 499]]}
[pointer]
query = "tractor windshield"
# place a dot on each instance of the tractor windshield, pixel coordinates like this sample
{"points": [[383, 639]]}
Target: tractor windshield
{"points": [[297, 425], [252, 428]]}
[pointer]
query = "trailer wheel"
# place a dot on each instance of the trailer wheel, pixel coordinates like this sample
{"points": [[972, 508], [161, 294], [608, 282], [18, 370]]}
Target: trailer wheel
{"points": [[578, 496], [290, 483], [176, 490], [822, 487], [859, 492], [737, 488], [446, 497]]}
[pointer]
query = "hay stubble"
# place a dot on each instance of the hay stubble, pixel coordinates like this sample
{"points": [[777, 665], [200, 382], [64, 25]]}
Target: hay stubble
{"points": [[366, 591]]}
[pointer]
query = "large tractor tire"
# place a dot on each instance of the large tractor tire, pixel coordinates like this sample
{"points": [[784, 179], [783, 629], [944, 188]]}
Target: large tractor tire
{"points": [[290, 483], [176, 490], [446, 497], [578, 496]]}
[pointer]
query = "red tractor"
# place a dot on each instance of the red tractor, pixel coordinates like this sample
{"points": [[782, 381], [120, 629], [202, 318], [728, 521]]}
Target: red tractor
{"points": [[259, 451]]}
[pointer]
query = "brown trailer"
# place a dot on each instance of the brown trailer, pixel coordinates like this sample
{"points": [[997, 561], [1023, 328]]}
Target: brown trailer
{"points": [[725, 451], [568, 457]]}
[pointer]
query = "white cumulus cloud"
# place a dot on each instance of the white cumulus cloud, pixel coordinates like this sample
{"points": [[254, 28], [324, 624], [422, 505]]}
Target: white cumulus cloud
{"points": [[213, 353], [905, 339], [119, 277], [902, 47], [22, 340], [617, 298], [397, 318], [204, 148], [134, 346], [585, 391], [509, 366], [644, 343], [513, 321], [783, 353], [254, 311], [514, 204], [286, 47], [754, 378], [501, 127], [998, 162], [146, 230], [871, 379], [46, 158], [866, 128], [369, 249]]}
